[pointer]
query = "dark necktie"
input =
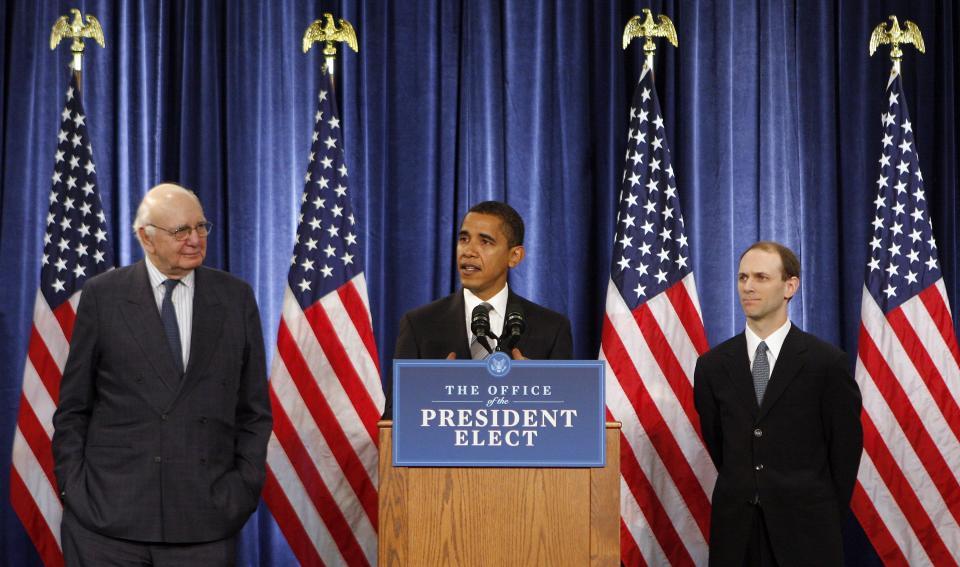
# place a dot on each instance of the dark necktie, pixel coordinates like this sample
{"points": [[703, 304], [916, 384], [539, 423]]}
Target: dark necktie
{"points": [[761, 371], [170, 327]]}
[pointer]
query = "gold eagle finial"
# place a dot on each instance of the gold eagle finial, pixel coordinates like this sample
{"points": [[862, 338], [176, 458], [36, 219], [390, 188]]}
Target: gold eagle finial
{"points": [[646, 28], [894, 35], [330, 33], [77, 30]]}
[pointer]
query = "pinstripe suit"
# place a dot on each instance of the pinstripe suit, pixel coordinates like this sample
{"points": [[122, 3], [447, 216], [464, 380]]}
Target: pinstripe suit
{"points": [[142, 454]]}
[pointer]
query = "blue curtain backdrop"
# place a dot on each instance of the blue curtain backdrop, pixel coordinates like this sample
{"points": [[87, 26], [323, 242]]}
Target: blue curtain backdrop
{"points": [[771, 107]]}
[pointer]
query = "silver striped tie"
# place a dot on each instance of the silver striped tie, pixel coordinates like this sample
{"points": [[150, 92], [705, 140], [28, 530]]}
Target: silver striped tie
{"points": [[761, 371]]}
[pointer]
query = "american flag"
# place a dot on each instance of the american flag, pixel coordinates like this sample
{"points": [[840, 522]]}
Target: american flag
{"points": [[325, 382], [652, 335], [907, 496], [75, 248]]}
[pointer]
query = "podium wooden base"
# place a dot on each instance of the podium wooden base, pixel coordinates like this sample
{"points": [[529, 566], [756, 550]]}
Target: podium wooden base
{"points": [[489, 517]]}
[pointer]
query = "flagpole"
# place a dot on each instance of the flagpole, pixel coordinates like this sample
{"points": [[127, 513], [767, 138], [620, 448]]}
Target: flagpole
{"points": [[333, 77], [76, 247], [652, 282], [326, 507], [906, 355]]}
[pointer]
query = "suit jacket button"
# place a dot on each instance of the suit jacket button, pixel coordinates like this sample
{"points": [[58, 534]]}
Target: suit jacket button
{"points": [[163, 417], [203, 460], [157, 459], [759, 467], [758, 432], [203, 420]]}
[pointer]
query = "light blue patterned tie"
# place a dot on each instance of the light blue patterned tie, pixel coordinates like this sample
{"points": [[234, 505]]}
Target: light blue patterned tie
{"points": [[761, 371], [170, 327], [477, 352]]}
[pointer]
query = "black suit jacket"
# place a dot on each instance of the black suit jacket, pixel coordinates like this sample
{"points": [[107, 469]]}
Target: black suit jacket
{"points": [[439, 328], [141, 453], [798, 452]]}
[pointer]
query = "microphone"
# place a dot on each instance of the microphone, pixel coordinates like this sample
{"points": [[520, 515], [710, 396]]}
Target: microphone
{"points": [[480, 325], [513, 326]]}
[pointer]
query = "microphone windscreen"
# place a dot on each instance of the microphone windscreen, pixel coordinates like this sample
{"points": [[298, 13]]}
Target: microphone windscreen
{"points": [[515, 322], [480, 320]]}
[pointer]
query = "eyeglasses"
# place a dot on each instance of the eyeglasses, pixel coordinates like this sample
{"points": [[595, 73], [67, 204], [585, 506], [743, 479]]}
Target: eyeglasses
{"points": [[182, 233]]}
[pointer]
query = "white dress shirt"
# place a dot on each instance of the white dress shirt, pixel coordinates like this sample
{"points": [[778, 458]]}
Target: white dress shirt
{"points": [[499, 309], [182, 303], [774, 343]]}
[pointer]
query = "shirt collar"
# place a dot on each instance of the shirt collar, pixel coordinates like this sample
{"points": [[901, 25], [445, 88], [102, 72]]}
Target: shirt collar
{"points": [[498, 302], [774, 341], [157, 278]]}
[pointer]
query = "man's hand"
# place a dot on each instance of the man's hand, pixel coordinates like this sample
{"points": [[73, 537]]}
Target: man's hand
{"points": [[452, 356], [517, 355]]}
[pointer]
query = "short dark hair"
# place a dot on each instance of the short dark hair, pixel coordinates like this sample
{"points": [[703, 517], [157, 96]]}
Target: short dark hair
{"points": [[512, 221], [789, 260]]}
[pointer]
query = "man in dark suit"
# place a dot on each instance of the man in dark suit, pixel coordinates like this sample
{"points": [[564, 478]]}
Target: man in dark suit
{"points": [[780, 415], [161, 431], [489, 244]]}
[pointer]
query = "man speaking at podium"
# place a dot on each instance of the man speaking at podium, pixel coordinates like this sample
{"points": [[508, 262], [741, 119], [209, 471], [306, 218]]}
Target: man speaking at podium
{"points": [[468, 323]]}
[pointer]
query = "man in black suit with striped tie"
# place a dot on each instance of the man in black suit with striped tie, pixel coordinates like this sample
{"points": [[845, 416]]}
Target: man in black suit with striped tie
{"points": [[489, 244], [780, 415]]}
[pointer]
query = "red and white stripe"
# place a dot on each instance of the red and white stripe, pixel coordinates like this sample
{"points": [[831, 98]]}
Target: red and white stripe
{"points": [[33, 487], [907, 496], [322, 458], [667, 474]]}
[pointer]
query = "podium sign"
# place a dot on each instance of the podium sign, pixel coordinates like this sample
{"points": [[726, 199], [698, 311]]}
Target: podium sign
{"points": [[498, 412]]}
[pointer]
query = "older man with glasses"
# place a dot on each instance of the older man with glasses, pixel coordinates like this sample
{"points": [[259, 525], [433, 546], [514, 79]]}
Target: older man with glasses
{"points": [[160, 435]]}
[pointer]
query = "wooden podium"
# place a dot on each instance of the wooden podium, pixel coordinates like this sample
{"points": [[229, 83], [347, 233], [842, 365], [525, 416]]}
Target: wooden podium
{"points": [[489, 517]]}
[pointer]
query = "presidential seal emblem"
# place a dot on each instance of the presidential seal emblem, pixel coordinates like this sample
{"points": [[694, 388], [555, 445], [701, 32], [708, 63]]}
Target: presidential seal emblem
{"points": [[498, 364]]}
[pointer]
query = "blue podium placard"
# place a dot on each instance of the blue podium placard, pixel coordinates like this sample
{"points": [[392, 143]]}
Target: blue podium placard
{"points": [[498, 413]]}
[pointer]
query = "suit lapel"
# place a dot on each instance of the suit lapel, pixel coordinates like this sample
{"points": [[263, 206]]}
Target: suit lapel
{"points": [[530, 330], [738, 368], [143, 320], [206, 331], [455, 319], [791, 359]]}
